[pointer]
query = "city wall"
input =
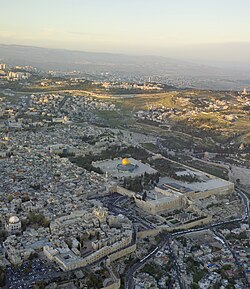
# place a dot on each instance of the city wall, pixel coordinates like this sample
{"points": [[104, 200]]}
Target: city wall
{"points": [[156, 207], [154, 232], [122, 253], [123, 191], [197, 223], [227, 189]]}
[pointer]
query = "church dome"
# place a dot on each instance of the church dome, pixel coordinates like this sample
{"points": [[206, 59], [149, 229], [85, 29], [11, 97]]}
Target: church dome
{"points": [[13, 220]]}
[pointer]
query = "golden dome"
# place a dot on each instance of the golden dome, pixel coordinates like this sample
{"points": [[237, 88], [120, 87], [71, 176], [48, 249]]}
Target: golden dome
{"points": [[125, 162]]}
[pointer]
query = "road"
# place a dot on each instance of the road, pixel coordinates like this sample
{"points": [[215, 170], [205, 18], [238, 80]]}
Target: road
{"points": [[245, 201]]}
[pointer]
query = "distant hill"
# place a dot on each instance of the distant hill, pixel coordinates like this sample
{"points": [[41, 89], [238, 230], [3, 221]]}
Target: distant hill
{"points": [[89, 62]]}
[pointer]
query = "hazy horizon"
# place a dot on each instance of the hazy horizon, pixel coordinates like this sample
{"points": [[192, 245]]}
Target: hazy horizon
{"points": [[214, 32]]}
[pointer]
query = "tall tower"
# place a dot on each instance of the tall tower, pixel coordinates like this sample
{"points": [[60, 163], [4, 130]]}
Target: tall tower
{"points": [[244, 92]]}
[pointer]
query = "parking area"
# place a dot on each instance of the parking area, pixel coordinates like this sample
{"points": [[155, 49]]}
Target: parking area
{"points": [[29, 273]]}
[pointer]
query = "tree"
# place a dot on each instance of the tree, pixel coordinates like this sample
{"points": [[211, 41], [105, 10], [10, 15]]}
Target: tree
{"points": [[2, 276], [38, 219], [10, 198]]}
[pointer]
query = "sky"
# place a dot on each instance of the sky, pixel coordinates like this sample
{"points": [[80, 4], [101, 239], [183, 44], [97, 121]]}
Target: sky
{"points": [[198, 29]]}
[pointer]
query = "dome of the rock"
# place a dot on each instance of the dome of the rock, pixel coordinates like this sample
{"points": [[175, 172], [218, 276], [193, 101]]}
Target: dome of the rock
{"points": [[125, 162]]}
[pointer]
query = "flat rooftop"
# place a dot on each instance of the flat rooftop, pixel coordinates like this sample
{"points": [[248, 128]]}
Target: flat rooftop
{"points": [[68, 257], [202, 186], [155, 197]]}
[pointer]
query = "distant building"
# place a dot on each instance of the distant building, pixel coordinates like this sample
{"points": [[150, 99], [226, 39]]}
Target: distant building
{"points": [[18, 75], [2, 66]]}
